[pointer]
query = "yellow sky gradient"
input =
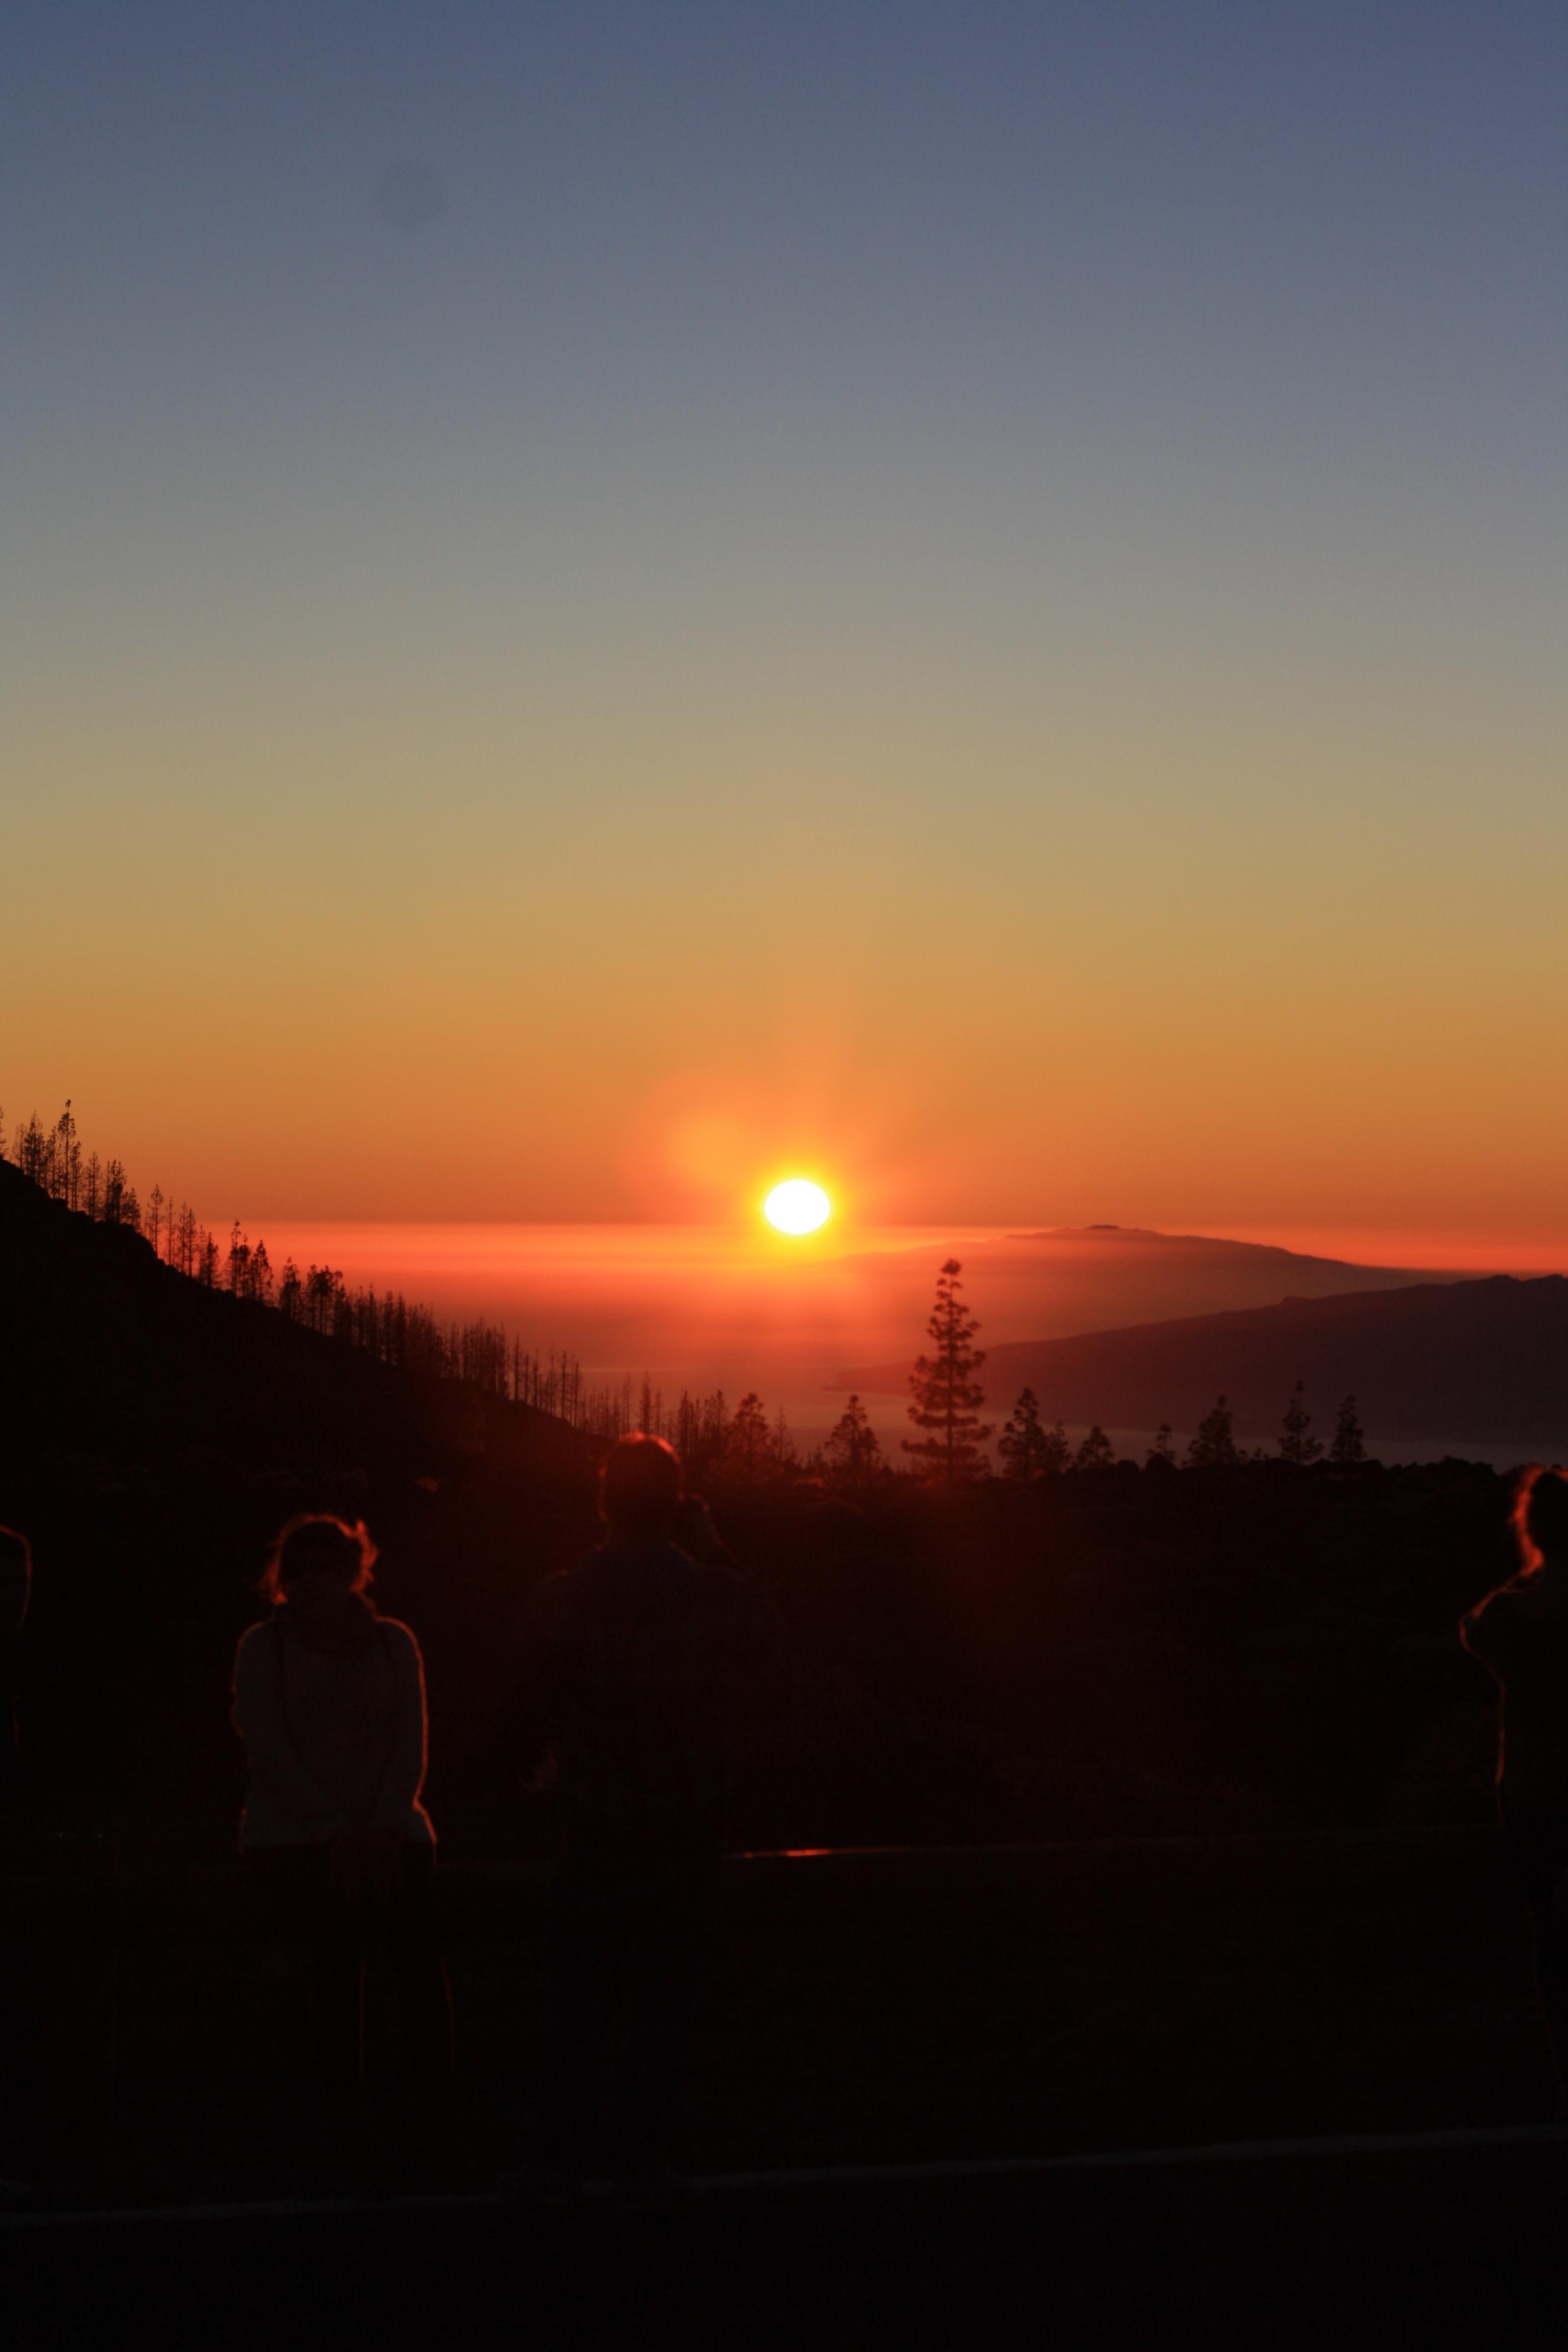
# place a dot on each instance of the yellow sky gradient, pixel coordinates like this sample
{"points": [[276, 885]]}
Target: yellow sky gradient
{"points": [[342, 987], [983, 626]]}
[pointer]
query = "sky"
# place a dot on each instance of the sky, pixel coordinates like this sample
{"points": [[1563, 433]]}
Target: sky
{"points": [[606, 602]]}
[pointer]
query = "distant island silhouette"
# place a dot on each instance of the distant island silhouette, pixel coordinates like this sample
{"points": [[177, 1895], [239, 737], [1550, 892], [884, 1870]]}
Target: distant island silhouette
{"points": [[1057, 1281]]}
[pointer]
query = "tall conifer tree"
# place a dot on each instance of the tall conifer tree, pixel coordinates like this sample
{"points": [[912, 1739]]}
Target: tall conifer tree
{"points": [[945, 1397]]}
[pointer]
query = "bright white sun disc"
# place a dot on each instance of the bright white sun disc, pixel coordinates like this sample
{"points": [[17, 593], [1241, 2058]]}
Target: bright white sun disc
{"points": [[798, 1206]]}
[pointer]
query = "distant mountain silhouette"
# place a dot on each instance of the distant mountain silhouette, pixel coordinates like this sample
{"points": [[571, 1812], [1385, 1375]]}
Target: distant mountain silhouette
{"points": [[109, 1354], [1072, 1279], [1480, 1362]]}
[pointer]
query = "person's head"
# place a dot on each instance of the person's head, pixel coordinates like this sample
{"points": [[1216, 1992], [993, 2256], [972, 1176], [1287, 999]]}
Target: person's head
{"points": [[316, 1562], [641, 1483], [1540, 1516]]}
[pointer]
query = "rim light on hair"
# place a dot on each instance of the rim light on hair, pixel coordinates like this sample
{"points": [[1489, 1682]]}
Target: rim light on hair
{"points": [[274, 1584]]}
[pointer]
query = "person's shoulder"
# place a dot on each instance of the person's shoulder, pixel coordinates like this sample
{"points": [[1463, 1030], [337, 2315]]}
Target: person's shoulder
{"points": [[398, 1642], [258, 1642], [1502, 1596], [397, 1637], [1522, 1591], [733, 1593], [563, 1584], [546, 1602], [1543, 1598], [1519, 1619], [614, 1571]]}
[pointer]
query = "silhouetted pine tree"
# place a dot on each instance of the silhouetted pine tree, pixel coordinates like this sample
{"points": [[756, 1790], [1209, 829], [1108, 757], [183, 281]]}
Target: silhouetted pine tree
{"points": [[32, 1150], [852, 1455], [945, 1396], [1349, 1439], [1297, 1442], [321, 1288], [1025, 1447], [66, 1159], [1096, 1453], [1164, 1446], [750, 1446], [260, 1274], [1215, 1439], [714, 1417]]}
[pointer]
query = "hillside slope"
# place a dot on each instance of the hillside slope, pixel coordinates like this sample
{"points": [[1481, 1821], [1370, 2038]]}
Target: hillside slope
{"points": [[105, 1352]]}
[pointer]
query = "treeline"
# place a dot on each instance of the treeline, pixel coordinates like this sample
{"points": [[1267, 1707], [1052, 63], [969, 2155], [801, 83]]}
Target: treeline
{"points": [[1029, 1450], [397, 1330]]}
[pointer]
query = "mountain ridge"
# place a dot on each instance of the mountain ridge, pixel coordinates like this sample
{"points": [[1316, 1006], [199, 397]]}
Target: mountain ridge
{"points": [[1483, 1361]]}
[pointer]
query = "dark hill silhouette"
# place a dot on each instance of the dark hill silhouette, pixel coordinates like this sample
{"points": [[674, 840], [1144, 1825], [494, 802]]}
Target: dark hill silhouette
{"points": [[109, 1353], [1482, 1362]]}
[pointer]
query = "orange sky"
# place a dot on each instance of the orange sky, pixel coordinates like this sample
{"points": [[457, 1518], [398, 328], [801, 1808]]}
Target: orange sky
{"points": [[257, 1096]]}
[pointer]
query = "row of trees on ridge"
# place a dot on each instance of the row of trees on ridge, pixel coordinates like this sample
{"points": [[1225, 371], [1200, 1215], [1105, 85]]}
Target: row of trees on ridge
{"points": [[946, 1400]]}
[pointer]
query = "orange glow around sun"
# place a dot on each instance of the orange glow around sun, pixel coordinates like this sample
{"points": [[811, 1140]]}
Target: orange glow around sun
{"points": [[797, 1206]]}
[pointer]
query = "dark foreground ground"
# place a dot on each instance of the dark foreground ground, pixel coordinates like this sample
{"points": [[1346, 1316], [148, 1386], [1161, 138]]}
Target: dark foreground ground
{"points": [[866, 2012], [1447, 2247]]}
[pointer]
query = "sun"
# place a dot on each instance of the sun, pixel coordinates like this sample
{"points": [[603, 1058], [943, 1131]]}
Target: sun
{"points": [[797, 1206]]}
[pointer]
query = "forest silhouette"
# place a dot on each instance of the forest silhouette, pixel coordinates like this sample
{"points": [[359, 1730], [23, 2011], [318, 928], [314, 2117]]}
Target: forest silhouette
{"points": [[1071, 1653]]}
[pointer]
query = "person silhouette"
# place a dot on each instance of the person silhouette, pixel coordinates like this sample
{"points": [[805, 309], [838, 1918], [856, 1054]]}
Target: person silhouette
{"points": [[16, 1590], [1519, 1633], [329, 1698], [636, 1665]]}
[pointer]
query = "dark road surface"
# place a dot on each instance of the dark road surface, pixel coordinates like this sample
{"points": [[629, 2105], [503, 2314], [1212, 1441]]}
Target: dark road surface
{"points": [[870, 2015], [1458, 2245]]}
